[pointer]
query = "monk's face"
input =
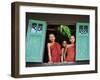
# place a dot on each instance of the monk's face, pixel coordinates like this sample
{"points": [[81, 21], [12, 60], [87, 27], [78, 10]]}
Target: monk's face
{"points": [[64, 43], [72, 39], [52, 37]]}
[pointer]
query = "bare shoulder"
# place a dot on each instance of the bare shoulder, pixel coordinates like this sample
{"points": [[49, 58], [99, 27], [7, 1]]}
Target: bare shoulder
{"points": [[49, 44]]}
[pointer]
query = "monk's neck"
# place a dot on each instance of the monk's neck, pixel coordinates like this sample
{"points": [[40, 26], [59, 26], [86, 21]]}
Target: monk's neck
{"points": [[72, 43]]}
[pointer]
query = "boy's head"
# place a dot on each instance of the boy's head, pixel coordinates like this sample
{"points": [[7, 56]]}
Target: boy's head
{"points": [[52, 37], [72, 39], [64, 43]]}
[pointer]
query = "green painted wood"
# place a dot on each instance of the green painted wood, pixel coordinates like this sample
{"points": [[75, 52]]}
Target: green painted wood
{"points": [[35, 40], [82, 41]]}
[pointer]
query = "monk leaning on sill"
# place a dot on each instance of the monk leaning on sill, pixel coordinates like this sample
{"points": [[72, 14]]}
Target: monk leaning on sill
{"points": [[54, 50]]}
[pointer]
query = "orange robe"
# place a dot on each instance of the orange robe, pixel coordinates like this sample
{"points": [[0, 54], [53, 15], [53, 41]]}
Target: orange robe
{"points": [[55, 52], [70, 57]]}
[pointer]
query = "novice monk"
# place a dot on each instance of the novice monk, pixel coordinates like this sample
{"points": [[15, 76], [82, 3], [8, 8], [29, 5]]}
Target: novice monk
{"points": [[64, 50], [54, 50], [70, 57]]}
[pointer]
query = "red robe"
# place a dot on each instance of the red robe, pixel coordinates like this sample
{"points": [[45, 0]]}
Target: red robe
{"points": [[55, 52], [70, 57]]}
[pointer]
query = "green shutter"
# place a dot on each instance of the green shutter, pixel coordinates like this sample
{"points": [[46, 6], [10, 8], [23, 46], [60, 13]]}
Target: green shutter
{"points": [[82, 41], [35, 40]]}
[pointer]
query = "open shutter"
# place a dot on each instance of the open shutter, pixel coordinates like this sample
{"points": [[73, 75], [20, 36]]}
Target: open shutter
{"points": [[82, 41], [35, 40]]}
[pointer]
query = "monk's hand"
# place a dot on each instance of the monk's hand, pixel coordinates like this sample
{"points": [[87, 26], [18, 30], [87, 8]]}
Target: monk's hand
{"points": [[50, 61]]}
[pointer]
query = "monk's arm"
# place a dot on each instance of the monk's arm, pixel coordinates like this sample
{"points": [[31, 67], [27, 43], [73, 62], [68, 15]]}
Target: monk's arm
{"points": [[62, 54], [49, 52], [69, 45]]}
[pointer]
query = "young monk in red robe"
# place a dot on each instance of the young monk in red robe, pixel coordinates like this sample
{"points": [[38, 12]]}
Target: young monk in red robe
{"points": [[70, 57], [54, 50], [63, 50]]}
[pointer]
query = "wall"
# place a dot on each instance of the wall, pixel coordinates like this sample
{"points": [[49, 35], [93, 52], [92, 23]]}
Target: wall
{"points": [[5, 40], [57, 19]]}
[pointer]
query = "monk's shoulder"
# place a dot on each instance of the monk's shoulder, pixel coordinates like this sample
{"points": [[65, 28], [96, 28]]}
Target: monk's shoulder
{"points": [[49, 44]]}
